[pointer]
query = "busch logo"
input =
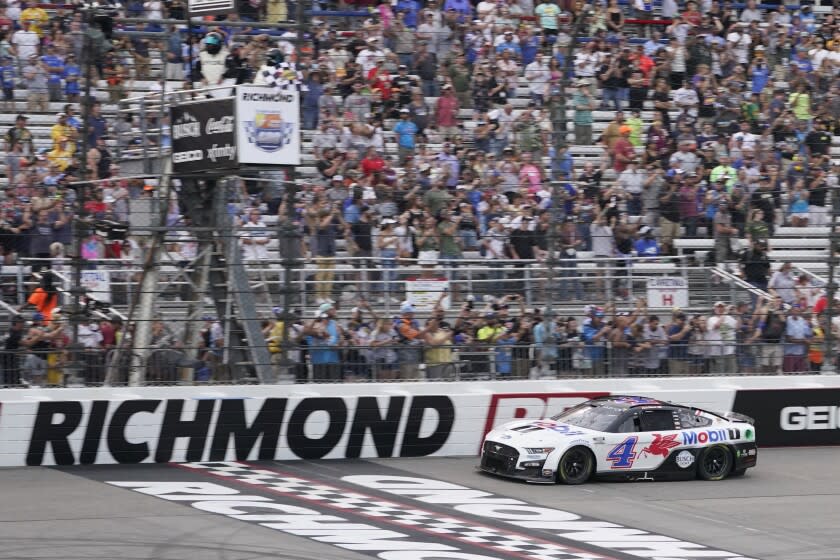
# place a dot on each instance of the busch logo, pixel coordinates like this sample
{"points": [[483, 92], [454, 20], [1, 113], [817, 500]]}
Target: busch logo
{"points": [[187, 127]]}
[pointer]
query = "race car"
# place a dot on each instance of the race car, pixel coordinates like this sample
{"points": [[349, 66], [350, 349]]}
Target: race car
{"points": [[622, 437]]}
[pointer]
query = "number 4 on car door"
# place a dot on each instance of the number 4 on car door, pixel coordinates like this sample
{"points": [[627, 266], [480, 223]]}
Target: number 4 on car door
{"points": [[622, 455]]}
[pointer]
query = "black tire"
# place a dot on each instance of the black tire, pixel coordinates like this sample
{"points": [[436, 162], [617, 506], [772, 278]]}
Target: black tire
{"points": [[715, 463], [575, 466]]}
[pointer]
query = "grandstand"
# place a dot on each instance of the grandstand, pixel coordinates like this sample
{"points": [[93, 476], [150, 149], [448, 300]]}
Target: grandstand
{"points": [[578, 272]]}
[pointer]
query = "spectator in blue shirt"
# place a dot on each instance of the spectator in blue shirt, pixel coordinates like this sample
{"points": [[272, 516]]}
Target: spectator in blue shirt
{"points": [[72, 76], [410, 9], [71, 117], [759, 71], [462, 7], [797, 334], [322, 337], [7, 78], [405, 130], [55, 70], [529, 45], [174, 55], [562, 166], [309, 103], [509, 44], [595, 335], [801, 60], [97, 126], [646, 245]]}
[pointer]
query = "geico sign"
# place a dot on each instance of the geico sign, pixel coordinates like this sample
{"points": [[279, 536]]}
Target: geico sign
{"points": [[825, 417], [152, 430], [183, 157]]}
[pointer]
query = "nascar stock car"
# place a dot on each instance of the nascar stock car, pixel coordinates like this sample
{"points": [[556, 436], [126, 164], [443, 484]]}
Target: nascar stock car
{"points": [[628, 438]]}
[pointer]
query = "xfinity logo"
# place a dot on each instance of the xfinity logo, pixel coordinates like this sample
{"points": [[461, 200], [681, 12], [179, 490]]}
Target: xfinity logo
{"points": [[220, 126], [187, 127], [796, 418]]}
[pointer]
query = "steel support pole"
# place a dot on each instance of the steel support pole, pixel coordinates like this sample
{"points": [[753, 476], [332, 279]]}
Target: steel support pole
{"points": [[147, 299]]}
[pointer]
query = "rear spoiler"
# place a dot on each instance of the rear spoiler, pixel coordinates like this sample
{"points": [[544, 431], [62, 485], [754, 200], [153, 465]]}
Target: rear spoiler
{"points": [[736, 417]]}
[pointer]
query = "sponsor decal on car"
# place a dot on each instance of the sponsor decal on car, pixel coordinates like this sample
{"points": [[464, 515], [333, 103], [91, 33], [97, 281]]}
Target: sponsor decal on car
{"points": [[684, 459], [709, 436], [505, 407], [662, 445], [623, 455], [636, 401], [557, 427]]}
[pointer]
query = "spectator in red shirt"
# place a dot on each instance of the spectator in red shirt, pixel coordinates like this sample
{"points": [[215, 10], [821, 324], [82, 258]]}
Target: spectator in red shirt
{"points": [[623, 151], [691, 15], [643, 62], [446, 112], [372, 162], [96, 206]]}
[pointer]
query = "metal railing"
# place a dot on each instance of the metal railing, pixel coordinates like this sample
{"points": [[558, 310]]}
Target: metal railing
{"points": [[474, 361]]}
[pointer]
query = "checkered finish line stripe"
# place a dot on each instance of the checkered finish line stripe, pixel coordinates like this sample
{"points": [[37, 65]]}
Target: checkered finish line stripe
{"points": [[523, 546]]}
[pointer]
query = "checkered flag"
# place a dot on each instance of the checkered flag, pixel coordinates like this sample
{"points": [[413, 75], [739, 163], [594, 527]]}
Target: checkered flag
{"points": [[283, 76]]}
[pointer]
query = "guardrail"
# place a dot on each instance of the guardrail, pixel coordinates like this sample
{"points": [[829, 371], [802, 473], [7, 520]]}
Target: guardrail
{"points": [[505, 358]]}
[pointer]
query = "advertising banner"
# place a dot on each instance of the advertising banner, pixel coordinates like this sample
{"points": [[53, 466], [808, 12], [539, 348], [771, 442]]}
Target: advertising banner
{"points": [[211, 7], [667, 292], [424, 293], [268, 125], [793, 417], [97, 283], [203, 136], [104, 425]]}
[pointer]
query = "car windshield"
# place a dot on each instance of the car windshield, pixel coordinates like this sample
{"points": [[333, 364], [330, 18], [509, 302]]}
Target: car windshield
{"points": [[588, 416]]}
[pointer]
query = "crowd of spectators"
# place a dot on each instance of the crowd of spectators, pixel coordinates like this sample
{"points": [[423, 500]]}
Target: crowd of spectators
{"points": [[503, 339], [445, 130]]}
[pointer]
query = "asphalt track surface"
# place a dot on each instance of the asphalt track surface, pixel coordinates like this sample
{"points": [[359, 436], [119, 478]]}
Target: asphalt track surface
{"points": [[786, 508]]}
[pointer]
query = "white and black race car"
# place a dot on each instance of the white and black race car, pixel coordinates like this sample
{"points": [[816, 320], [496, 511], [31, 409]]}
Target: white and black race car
{"points": [[629, 438]]}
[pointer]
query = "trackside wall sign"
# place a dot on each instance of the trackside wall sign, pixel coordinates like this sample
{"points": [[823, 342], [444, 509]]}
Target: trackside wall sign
{"points": [[798, 417], [177, 424], [146, 430]]}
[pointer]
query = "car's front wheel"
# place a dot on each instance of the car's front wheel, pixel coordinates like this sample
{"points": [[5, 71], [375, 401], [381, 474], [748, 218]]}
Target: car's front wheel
{"points": [[576, 466], [715, 463]]}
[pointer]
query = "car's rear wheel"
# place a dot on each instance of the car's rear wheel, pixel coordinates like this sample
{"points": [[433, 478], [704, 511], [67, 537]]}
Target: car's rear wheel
{"points": [[576, 466], [715, 463]]}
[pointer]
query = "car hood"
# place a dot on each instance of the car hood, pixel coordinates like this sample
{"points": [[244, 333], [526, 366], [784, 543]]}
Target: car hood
{"points": [[537, 433]]}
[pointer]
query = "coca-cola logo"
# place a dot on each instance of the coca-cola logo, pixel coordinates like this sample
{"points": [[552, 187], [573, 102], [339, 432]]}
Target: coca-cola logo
{"points": [[219, 126]]}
